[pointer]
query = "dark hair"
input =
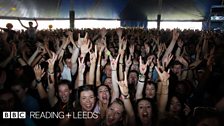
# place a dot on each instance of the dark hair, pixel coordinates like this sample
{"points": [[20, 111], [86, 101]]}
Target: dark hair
{"points": [[104, 86], [181, 100], [85, 88], [65, 82], [154, 110], [149, 83], [78, 94], [177, 63]]}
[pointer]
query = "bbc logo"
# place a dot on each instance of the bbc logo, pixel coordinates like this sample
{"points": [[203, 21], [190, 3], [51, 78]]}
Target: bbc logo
{"points": [[14, 115]]}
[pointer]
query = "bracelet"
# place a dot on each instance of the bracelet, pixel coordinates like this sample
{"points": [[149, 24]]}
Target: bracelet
{"points": [[50, 73], [121, 63], [38, 81], [125, 96], [141, 81]]}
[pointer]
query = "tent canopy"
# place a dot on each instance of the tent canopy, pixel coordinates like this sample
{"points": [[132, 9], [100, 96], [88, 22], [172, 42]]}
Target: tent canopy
{"points": [[108, 9]]}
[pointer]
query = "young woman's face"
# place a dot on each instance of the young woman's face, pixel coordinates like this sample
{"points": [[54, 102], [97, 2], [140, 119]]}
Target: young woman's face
{"points": [[64, 93], [103, 94], [144, 111], [108, 82], [87, 100], [175, 105], [150, 91], [132, 78], [114, 114]]}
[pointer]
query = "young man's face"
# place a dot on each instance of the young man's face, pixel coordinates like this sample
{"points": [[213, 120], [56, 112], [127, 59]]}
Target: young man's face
{"points": [[177, 69], [64, 93]]}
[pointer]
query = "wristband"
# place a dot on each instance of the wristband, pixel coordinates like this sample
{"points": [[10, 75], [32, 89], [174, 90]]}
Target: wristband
{"points": [[50, 73], [125, 96], [38, 81], [141, 81]]}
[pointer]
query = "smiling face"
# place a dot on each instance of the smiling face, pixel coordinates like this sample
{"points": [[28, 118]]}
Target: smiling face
{"points": [[64, 92], [103, 94], [114, 113], [87, 100], [145, 111]]}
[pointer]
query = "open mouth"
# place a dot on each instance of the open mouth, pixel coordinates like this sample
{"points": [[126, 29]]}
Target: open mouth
{"points": [[110, 120], [104, 97], [88, 106], [145, 115]]}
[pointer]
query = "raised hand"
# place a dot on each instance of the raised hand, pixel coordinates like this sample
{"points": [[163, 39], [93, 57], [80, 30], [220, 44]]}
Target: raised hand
{"points": [[175, 34], [113, 62], [132, 49], [39, 72], [81, 41], [186, 110], [164, 76], [119, 32], [93, 56], [128, 61], [51, 63], [166, 60], [86, 46], [142, 67], [159, 65], [82, 65], [123, 85], [103, 32]]}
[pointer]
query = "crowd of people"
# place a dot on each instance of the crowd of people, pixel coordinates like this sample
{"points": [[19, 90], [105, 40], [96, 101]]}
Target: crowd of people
{"points": [[126, 76]]}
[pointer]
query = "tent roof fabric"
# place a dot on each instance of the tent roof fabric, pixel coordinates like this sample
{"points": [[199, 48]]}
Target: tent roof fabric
{"points": [[108, 9]]}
